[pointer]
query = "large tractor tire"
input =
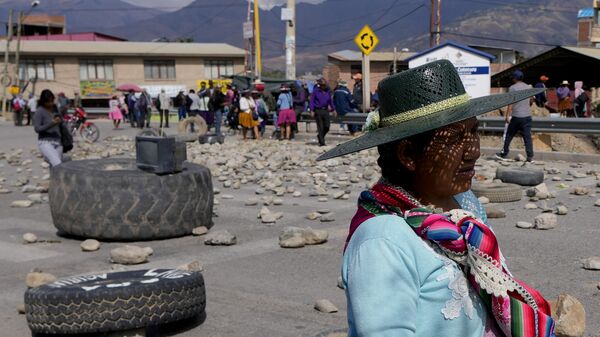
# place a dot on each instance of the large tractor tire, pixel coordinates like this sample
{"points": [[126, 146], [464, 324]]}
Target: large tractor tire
{"points": [[115, 301], [111, 199], [498, 192], [197, 123]]}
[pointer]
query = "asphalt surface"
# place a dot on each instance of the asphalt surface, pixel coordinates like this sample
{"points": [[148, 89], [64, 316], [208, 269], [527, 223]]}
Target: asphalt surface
{"points": [[256, 288]]}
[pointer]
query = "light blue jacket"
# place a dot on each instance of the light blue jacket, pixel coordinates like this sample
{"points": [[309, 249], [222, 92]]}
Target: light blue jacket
{"points": [[398, 285]]}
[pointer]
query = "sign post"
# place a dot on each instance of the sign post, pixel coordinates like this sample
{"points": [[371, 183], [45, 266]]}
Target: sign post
{"points": [[366, 40]]}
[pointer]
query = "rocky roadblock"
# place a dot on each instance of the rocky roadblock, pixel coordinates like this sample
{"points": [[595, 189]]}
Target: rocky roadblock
{"points": [[270, 195]]}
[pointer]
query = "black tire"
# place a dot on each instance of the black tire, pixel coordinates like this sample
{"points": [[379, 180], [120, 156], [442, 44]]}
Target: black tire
{"points": [[115, 301], [520, 175], [211, 138], [111, 199], [498, 192], [152, 132]]}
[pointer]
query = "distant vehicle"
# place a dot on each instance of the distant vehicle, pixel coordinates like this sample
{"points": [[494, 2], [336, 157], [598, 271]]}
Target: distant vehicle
{"points": [[78, 122]]}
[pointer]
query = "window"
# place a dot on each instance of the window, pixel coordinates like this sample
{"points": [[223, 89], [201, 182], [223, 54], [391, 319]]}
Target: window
{"points": [[214, 69], [159, 70], [42, 69], [96, 70]]}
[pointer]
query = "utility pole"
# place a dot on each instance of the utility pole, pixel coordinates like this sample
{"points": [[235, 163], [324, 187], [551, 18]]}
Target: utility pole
{"points": [[257, 40], [5, 78], [290, 42], [18, 50], [438, 22], [435, 23], [395, 68]]}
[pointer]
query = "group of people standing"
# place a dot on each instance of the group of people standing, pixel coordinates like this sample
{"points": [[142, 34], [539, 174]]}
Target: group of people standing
{"points": [[26, 108], [571, 103]]}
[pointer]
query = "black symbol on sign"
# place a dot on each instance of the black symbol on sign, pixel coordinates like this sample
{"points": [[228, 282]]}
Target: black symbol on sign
{"points": [[362, 39]]}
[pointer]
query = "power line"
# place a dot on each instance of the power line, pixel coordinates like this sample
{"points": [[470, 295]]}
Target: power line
{"points": [[501, 40]]}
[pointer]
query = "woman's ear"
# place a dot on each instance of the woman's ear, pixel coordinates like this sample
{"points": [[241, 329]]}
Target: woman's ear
{"points": [[405, 155]]}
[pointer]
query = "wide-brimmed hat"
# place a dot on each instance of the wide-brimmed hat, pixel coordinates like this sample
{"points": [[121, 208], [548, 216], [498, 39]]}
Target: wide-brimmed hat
{"points": [[544, 78], [419, 100], [565, 82]]}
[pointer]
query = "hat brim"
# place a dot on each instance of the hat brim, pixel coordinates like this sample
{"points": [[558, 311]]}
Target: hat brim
{"points": [[474, 107]]}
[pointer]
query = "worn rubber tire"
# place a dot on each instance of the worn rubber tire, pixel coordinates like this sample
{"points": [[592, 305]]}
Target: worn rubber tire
{"points": [[520, 175], [115, 301], [211, 138], [498, 192], [111, 199], [152, 132], [199, 124]]}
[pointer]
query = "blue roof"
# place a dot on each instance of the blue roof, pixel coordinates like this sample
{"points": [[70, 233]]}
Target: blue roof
{"points": [[456, 45], [585, 13]]}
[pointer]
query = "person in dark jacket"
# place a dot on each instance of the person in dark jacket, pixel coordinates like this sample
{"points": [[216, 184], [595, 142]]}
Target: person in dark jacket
{"points": [[300, 98], [46, 123], [344, 103], [180, 102], [320, 108], [133, 113], [540, 99], [357, 91]]}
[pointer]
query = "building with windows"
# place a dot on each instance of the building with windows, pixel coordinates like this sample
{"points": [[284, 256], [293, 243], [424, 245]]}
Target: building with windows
{"points": [[96, 68], [588, 26]]}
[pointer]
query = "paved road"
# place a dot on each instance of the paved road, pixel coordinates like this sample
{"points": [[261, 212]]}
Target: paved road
{"points": [[258, 289]]}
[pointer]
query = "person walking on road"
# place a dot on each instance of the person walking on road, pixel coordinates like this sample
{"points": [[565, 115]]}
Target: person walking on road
{"points": [[580, 101], [180, 102], [46, 124], [564, 98], [287, 116], [131, 106], [115, 113], [248, 118], [142, 106], [18, 106], [357, 91], [163, 108], [63, 104], [218, 105], [300, 99], [320, 108], [31, 108], [344, 103], [518, 117]]}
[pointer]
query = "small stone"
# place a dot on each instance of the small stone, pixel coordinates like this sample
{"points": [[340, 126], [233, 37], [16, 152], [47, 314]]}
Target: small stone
{"points": [[531, 206], [192, 266], [328, 217], [542, 195], [129, 255], [4, 191], [580, 190], [484, 200], [569, 179], [562, 210], [220, 238], [268, 218], [297, 194], [338, 195], [251, 202], [201, 230], [277, 201], [524, 225], [292, 237], [148, 250], [556, 178], [520, 157], [30, 238], [36, 279], [28, 189], [545, 221], [227, 196], [36, 198], [597, 203], [313, 216], [325, 306], [21, 308], [216, 191], [322, 199], [21, 204], [90, 245], [314, 236], [569, 315], [592, 263], [340, 283], [494, 213], [227, 183], [237, 185], [324, 210], [259, 190]]}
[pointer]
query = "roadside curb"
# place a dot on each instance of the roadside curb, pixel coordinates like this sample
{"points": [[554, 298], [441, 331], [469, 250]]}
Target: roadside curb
{"points": [[550, 156]]}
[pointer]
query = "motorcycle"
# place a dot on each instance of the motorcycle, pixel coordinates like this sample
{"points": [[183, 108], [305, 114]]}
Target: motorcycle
{"points": [[78, 122]]}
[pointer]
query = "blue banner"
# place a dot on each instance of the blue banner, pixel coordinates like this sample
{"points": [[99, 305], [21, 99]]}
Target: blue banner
{"points": [[473, 70]]}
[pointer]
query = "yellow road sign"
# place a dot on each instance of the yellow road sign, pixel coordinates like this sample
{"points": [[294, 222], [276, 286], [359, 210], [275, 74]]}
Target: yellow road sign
{"points": [[366, 40]]}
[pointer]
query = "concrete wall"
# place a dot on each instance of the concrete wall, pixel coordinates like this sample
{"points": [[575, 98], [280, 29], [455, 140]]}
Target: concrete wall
{"points": [[335, 70]]}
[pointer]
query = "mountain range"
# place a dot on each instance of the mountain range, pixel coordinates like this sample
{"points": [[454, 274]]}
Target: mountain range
{"points": [[528, 26]]}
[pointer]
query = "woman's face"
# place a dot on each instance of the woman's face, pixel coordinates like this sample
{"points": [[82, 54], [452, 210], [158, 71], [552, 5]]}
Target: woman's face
{"points": [[49, 104], [447, 164]]}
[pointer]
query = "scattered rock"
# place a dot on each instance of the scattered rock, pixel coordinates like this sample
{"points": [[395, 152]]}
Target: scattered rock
{"points": [[30, 238], [580, 190], [36, 198], [314, 236], [520, 157], [562, 210], [322, 199], [28, 189], [325, 306], [338, 195], [597, 203], [324, 210], [129, 255], [201, 230], [277, 201], [313, 215], [495, 213], [292, 237], [328, 217], [251, 202], [36, 279], [21, 308], [220, 238], [524, 225], [545, 221], [192, 266], [556, 178], [259, 190], [484, 200], [531, 206], [297, 194], [4, 191], [569, 315], [21, 204], [148, 250], [90, 245], [227, 196], [591, 263], [340, 283]]}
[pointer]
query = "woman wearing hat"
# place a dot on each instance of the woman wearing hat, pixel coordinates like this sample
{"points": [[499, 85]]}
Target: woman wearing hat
{"points": [[287, 115], [420, 259], [564, 98], [248, 117]]}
